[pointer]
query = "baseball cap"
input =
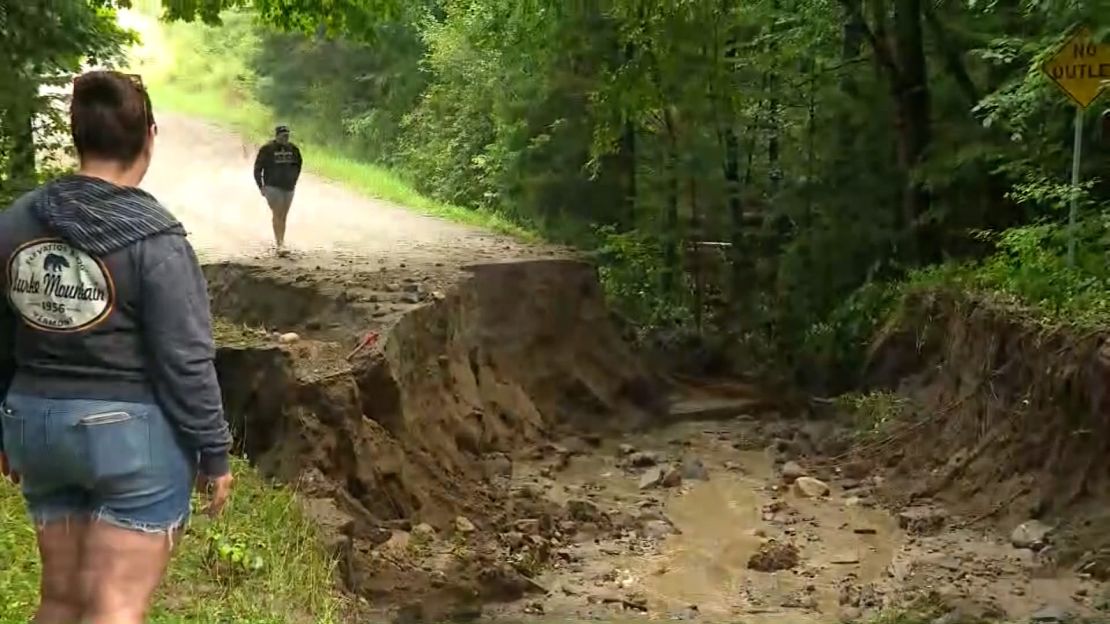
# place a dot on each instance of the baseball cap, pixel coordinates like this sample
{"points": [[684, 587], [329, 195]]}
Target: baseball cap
{"points": [[282, 129]]}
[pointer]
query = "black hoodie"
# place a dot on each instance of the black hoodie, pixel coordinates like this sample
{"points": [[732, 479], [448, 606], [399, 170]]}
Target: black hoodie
{"points": [[105, 300]]}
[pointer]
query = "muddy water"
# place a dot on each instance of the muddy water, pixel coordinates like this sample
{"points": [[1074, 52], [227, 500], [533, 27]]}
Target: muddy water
{"points": [[722, 522], [854, 560]]}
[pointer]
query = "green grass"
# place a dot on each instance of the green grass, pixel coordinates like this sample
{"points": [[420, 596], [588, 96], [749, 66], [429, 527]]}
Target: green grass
{"points": [[194, 70], [287, 578]]}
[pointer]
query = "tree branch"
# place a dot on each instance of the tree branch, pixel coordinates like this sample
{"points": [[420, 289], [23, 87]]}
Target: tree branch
{"points": [[882, 50], [952, 57]]}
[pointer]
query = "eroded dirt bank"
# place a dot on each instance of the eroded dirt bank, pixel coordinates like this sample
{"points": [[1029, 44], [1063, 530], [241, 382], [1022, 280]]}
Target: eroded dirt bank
{"points": [[1016, 416], [501, 451]]}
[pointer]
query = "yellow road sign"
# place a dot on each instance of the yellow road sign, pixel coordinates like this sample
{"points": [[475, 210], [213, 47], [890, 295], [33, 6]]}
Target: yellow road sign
{"points": [[1080, 67]]}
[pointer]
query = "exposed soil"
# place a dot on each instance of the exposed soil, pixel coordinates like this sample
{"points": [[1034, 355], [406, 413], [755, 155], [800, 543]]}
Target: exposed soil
{"points": [[491, 455], [1016, 416], [498, 451]]}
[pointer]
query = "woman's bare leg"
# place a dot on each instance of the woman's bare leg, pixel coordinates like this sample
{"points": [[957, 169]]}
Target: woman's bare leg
{"points": [[120, 572], [60, 547]]}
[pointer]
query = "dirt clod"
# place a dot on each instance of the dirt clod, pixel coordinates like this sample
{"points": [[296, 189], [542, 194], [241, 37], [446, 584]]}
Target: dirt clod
{"points": [[792, 470], [773, 556], [922, 520], [694, 470]]}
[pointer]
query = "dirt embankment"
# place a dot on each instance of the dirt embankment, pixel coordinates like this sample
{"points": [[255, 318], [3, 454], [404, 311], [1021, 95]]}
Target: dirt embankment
{"points": [[1015, 417], [489, 454], [415, 428]]}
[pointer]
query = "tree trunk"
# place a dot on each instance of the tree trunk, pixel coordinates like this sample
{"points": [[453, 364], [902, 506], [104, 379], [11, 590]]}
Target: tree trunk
{"points": [[913, 124], [19, 121], [673, 236], [733, 187], [628, 156], [628, 167], [853, 33]]}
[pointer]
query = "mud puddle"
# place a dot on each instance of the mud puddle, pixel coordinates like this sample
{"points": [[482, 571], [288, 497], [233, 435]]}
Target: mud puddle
{"points": [[729, 538]]}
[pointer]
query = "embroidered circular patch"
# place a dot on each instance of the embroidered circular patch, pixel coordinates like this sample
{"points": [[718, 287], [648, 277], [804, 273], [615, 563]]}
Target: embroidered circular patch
{"points": [[56, 287]]}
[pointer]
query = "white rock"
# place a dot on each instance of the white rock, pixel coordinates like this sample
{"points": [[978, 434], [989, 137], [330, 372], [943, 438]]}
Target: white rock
{"points": [[808, 487], [1030, 534], [464, 525], [288, 338]]}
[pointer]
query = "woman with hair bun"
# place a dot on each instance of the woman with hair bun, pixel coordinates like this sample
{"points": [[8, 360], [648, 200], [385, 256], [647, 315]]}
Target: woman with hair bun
{"points": [[111, 410]]}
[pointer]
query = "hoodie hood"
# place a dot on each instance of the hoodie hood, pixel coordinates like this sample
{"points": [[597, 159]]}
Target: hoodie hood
{"points": [[99, 217]]}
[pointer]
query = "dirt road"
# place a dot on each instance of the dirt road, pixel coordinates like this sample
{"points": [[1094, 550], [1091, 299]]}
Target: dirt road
{"points": [[203, 174]]}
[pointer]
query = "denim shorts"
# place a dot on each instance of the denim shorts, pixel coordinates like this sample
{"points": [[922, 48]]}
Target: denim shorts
{"points": [[107, 461]]}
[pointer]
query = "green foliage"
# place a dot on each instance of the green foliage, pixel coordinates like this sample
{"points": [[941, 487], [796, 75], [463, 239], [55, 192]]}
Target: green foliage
{"points": [[44, 43], [786, 128], [260, 562], [632, 270], [873, 412]]}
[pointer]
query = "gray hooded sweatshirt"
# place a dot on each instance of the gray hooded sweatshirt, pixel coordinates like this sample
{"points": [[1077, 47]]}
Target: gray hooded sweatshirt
{"points": [[105, 299]]}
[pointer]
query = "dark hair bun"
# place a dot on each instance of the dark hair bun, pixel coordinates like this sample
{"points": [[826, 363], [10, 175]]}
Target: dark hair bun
{"points": [[96, 88], [110, 116]]}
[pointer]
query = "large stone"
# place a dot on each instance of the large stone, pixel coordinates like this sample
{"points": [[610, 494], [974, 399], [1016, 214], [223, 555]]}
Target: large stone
{"points": [[424, 532], [643, 459], [582, 510], [808, 487], [464, 526], [1032, 534], [923, 520], [1051, 615], [773, 556], [660, 476], [694, 470], [792, 471]]}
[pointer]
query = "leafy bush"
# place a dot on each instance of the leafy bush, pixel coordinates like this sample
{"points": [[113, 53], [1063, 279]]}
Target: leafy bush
{"points": [[260, 562], [633, 274]]}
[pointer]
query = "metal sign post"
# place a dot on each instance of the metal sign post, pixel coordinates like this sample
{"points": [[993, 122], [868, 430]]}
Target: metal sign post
{"points": [[1076, 158], [1081, 68]]}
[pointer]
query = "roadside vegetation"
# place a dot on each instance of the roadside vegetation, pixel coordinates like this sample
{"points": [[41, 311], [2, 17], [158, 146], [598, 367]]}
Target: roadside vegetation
{"points": [[634, 131], [260, 563]]}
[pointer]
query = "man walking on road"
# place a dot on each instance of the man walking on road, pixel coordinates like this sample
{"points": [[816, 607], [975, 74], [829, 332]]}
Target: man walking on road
{"points": [[276, 170]]}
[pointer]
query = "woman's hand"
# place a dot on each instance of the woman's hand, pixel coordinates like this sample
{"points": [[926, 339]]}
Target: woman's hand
{"points": [[217, 490], [6, 469]]}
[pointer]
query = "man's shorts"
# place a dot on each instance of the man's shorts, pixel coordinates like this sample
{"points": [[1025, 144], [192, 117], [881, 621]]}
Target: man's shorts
{"points": [[279, 199], [109, 461]]}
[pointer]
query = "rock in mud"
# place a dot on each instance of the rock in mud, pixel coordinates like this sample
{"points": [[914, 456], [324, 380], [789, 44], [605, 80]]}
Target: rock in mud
{"points": [[1032, 534], [464, 526], [1051, 615], [792, 470], [625, 450], [808, 487], [694, 470], [424, 532], [504, 584], [643, 459], [657, 529], [922, 520], [498, 465], [581, 510], [773, 556], [335, 525], [288, 338], [660, 476], [513, 539]]}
